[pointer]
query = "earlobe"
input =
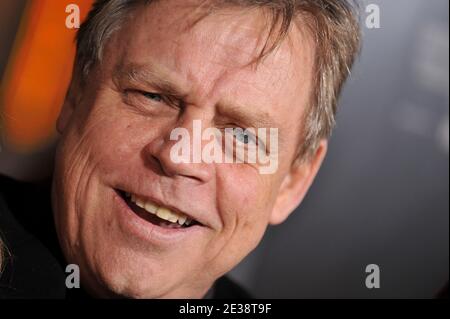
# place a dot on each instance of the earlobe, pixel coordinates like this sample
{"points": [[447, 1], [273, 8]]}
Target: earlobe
{"points": [[296, 184]]}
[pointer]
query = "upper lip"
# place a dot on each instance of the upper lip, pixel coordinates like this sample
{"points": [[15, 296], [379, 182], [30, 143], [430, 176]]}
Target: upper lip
{"points": [[168, 206]]}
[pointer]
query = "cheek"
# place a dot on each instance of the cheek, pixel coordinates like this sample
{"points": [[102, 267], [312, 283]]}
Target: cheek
{"points": [[245, 200], [91, 147], [113, 136]]}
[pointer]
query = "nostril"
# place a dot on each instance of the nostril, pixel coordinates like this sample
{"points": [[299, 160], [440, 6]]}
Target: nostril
{"points": [[152, 163], [158, 165]]}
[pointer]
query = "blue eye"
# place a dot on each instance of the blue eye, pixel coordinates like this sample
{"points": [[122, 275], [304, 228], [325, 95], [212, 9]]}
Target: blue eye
{"points": [[244, 137], [153, 96]]}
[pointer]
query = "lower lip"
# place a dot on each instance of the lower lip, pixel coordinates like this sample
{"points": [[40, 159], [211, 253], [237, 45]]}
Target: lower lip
{"points": [[143, 229]]}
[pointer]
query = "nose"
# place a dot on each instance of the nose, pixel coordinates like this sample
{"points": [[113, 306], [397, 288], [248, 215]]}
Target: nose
{"points": [[160, 151]]}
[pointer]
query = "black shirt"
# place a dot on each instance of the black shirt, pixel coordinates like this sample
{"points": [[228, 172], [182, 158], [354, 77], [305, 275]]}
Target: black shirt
{"points": [[34, 267], [31, 270]]}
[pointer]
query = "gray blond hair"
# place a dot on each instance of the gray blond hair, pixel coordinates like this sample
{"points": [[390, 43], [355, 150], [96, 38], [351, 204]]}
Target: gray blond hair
{"points": [[334, 25]]}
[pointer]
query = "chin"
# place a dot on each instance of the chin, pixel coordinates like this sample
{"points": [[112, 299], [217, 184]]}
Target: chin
{"points": [[120, 274]]}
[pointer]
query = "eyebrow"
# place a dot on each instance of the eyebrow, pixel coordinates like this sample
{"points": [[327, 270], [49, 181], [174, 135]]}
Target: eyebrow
{"points": [[251, 118], [151, 75]]}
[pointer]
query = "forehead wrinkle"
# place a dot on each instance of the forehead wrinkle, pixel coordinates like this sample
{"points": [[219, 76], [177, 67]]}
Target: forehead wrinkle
{"points": [[239, 38]]}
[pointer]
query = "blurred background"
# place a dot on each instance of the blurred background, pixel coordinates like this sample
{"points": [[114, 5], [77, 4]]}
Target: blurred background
{"points": [[382, 196]]}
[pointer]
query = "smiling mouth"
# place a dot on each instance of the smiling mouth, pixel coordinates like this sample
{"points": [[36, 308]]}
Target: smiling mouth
{"points": [[156, 214]]}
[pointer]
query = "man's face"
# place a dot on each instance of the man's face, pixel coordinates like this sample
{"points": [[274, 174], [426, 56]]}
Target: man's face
{"points": [[159, 72]]}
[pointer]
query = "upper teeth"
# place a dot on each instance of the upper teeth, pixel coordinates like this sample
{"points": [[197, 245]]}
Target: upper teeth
{"points": [[161, 212]]}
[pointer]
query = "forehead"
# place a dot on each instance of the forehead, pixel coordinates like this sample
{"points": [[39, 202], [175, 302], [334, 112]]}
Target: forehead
{"points": [[211, 55]]}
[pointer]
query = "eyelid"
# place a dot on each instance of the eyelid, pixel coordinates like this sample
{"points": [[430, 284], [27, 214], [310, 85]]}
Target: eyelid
{"points": [[147, 94], [166, 98]]}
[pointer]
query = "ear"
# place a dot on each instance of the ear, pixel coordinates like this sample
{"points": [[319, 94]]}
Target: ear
{"points": [[296, 184], [68, 107]]}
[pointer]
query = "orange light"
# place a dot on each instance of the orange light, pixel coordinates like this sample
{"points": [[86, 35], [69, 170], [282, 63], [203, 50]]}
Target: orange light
{"points": [[38, 73]]}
